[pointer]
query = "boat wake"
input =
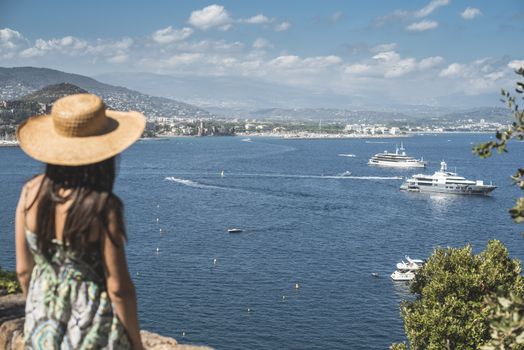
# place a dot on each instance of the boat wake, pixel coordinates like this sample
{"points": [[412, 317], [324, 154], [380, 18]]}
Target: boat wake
{"points": [[190, 183], [320, 177], [347, 155]]}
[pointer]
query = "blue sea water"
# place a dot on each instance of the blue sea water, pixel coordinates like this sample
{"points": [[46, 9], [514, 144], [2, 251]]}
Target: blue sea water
{"points": [[300, 226]]}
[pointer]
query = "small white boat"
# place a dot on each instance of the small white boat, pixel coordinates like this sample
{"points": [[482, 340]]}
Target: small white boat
{"points": [[410, 264], [246, 139], [234, 230], [403, 275], [346, 173]]}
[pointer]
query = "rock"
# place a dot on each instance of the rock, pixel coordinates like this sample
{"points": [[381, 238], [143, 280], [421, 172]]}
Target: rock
{"points": [[12, 328]]}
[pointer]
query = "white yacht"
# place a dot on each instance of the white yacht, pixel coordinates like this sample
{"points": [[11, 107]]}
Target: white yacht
{"points": [[444, 181], [399, 159], [403, 275], [410, 264], [406, 270]]}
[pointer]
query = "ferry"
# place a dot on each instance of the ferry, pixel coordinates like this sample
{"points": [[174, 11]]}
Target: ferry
{"points": [[399, 159], [444, 181]]}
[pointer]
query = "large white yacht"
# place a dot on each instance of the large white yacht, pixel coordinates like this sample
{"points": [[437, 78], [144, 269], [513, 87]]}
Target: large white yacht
{"points": [[399, 159], [444, 181]]}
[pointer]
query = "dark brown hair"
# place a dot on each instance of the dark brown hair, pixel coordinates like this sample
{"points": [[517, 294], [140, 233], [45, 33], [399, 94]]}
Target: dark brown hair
{"points": [[91, 192]]}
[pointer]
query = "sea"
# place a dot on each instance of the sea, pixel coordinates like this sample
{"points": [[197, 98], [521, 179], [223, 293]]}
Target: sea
{"points": [[311, 267]]}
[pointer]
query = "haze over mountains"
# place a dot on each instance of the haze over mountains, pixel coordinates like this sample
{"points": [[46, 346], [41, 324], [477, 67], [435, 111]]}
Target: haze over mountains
{"points": [[227, 97], [218, 93]]}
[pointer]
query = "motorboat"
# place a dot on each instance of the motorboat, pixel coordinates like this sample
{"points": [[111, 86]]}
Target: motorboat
{"points": [[410, 264], [403, 275], [406, 270], [444, 181], [234, 230], [399, 159]]}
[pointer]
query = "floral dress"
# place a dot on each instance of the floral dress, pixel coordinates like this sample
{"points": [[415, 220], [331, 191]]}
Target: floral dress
{"points": [[67, 304]]}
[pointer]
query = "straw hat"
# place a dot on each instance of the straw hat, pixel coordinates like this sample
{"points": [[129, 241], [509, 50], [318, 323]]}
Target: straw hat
{"points": [[79, 131]]}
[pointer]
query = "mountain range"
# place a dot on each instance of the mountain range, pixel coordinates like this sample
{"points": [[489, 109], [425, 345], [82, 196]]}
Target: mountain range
{"points": [[226, 97], [21, 81]]}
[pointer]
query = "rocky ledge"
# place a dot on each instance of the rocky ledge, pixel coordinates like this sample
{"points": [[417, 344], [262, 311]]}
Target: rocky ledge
{"points": [[12, 325]]}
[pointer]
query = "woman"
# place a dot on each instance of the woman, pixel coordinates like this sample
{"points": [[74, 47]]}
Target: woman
{"points": [[70, 234]]}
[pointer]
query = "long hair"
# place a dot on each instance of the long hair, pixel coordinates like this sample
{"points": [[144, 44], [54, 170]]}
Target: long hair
{"points": [[90, 188]]}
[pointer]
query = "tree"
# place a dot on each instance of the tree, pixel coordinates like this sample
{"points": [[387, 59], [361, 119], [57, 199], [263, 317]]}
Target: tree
{"points": [[506, 314], [514, 131], [450, 312], [467, 301]]}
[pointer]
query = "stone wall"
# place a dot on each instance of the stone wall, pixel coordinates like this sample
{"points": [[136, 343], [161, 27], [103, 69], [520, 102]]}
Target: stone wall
{"points": [[12, 325]]}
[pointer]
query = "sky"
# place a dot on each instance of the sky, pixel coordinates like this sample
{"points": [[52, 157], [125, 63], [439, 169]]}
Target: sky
{"points": [[413, 52]]}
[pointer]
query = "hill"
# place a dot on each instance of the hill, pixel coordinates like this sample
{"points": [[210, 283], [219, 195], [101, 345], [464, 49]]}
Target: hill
{"points": [[21, 81], [51, 93]]}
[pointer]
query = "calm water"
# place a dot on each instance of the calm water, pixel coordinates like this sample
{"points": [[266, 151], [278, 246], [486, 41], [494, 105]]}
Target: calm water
{"points": [[328, 235]]}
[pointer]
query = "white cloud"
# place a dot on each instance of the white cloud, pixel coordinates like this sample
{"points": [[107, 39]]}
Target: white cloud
{"points": [[211, 16], [169, 35], [516, 64], [258, 19], [390, 64], [479, 76], [67, 45], [119, 58], [284, 61], [357, 69], [387, 56], [430, 62], [10, 39], [454, 69], [429, 8], [282, 26], [470, 13], [384, 47], [402, 15], [184, 58], [261, 44], [422, 26], [295, 62]]}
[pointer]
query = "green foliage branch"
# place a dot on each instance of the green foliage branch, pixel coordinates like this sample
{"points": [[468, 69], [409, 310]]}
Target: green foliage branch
{"points": [[514, 131], [8, 282]]}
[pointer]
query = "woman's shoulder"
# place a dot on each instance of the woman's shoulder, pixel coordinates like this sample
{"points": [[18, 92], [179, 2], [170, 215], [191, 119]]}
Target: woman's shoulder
{"points": [[114, 202], [35, 181], [31, 187]]}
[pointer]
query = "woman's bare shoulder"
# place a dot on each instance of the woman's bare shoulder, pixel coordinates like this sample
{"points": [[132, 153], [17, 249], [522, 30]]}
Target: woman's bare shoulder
{"points": [[31, 187]]}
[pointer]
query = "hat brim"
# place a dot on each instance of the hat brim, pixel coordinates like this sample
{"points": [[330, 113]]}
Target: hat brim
{"points": [[37, 137]]}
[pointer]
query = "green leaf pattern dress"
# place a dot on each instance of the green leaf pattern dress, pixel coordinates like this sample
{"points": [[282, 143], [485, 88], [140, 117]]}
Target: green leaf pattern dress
{"points": [[67, 303]]}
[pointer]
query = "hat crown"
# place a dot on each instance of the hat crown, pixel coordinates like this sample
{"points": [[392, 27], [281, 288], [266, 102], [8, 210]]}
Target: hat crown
{"points": [[79, 115]]}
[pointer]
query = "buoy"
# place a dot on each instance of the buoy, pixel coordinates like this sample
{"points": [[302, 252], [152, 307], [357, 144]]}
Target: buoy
{"points": [[214, 261], [248, 310], [283, 297], [222, 173], [157, 250], [183, 334], [138, 273], [374, 274], [297, 286], [157, 220], [160, 230]]}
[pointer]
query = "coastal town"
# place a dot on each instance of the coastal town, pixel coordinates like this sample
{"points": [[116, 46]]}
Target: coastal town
{"points": [[170, 118]]}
